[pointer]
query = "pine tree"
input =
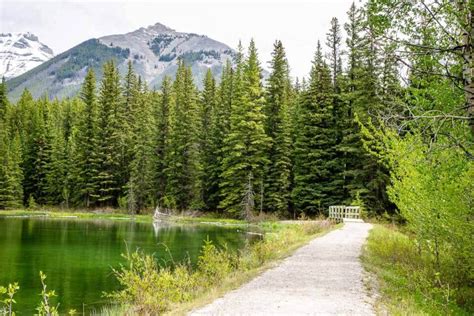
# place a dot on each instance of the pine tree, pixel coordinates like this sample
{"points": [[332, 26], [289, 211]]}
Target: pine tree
{"points": [[109, 154], [183, 168], [246, 143], [315, 143], [277, 127], [88, 141]]}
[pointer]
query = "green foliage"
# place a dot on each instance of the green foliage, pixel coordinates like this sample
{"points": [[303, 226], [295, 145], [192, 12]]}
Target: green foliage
{"points": [[207, 111], [3, 100], [410, 280], [87, 142], [183, 165], [277, 127], [8, 301], [149, 288], [214, 264], [315, 142], [11, 174], [109, 153], [162, 114], [246, 143], [45, 308]]}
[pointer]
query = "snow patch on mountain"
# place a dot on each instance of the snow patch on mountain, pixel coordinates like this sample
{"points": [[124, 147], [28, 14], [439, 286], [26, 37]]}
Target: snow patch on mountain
{"points": [[20, 52]]}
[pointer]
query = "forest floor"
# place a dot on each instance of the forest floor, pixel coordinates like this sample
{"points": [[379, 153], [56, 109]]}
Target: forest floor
{"points": [[323, 277]]}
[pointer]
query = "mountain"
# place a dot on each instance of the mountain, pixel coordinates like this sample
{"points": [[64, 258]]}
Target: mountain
{"points": [[20, 52], [154, 52]]}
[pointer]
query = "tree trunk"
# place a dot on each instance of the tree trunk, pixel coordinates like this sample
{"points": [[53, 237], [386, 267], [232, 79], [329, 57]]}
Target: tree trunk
{"points": [[468, 54]]}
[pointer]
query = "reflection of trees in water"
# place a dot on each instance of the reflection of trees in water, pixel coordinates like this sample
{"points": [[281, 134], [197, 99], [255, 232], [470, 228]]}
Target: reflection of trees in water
{"points": [[77, 254]]}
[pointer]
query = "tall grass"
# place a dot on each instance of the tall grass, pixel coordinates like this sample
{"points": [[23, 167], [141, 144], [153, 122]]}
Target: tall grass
{"points": [[148, 288], [411, 281]]}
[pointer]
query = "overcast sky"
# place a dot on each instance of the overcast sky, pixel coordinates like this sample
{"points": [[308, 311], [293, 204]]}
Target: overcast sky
{"points": [[299, 24]]}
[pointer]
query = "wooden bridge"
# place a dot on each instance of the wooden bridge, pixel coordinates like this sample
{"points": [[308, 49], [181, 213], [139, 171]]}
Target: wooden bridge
{"points": [[341, 212]]}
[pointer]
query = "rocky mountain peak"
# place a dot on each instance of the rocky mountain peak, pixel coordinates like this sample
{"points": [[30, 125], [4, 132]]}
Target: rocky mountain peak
{"points": [[20, 52]]}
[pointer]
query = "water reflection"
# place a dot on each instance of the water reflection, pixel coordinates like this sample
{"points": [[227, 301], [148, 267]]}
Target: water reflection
{"points": [[77, 255]]}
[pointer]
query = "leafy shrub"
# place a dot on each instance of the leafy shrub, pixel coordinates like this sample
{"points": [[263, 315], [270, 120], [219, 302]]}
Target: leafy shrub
{"points": [[45, 308], [150, 288], [213, 263], [9, 300], [411, 274]]}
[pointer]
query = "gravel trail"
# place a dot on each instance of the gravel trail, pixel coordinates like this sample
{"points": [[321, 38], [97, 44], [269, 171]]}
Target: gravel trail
{"points": [[324, 277]]}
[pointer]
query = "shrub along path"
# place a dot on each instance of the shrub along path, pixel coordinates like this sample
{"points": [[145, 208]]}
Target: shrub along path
{"points": [[323, 277]]}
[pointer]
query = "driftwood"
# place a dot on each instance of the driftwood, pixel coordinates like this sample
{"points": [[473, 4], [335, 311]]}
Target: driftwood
{"points": [[159, 216]]}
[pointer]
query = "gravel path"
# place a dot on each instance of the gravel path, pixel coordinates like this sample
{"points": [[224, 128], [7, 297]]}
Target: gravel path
{"points": [[321, 278]]}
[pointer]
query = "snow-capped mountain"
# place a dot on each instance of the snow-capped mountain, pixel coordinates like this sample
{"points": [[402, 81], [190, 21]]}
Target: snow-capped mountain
{"points": [[154, 52], [20, 52]]}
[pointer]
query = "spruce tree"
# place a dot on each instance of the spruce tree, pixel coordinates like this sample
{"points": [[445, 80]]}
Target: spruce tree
{"points": [[162, 118], [277, 127], [37, 147], [351, 146], [109, 154], [220, 127], [207, 107], [88, 141], [246, 143], [11, 175], [127, 116], [183, 167], [315, 142], [140, 183], [3, 99], [333, 41]]}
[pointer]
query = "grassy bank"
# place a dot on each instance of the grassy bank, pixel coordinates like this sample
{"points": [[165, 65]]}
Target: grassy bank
{"points": [[117, 214], [77, 214], [148, 288], [409, 281]]}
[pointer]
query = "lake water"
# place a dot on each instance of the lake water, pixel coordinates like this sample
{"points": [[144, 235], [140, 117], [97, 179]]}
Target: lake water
{"points": [[78, 255]]}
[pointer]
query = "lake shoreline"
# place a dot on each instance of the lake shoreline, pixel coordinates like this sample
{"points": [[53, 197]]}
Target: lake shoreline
{"points": [[119, 215]]}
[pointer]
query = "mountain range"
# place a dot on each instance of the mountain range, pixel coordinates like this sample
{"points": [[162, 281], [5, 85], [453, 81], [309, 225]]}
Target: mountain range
{"points": [[20, 52], [154, 52]]}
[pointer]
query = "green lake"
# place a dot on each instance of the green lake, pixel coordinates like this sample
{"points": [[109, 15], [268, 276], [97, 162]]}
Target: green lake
{"points": [[78, 255]]}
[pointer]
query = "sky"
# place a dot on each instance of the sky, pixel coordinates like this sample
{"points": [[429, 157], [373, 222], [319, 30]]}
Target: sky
{"points": [[298, 24]]}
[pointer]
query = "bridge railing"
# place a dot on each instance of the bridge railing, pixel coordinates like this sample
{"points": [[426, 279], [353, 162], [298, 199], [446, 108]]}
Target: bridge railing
{"points": [[340, 212]]}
